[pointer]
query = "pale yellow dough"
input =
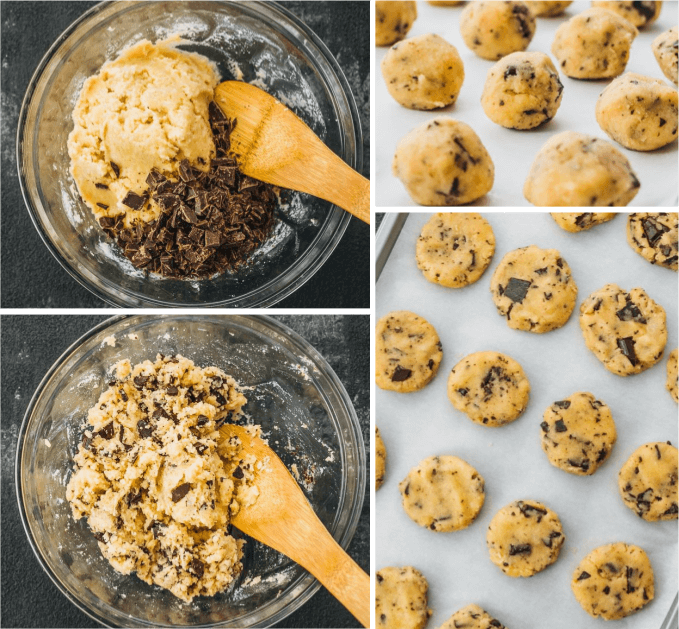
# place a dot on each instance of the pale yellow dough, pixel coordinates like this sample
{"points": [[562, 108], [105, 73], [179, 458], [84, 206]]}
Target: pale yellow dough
{"points": [[672, 382], [446, 3], [156, 486], [638, 13], [380, 459], [665, 49], [147, 109], [393, 20], [472, 617], [580, 221], [401, 598], [548, 9]]}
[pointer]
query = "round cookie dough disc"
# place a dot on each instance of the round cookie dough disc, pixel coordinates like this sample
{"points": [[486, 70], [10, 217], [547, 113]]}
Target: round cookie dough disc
{"points": [[533, 289], [638, 112], [625, 331], [423, 72], [494, 29], [665, 48], [393, 20], [489, 387], [443, 162], [654, 236], [613, 581], [578, 434], [638, 13], [401, 599], [522, 91], [672, 383], [472, 617], [577, 170], [548, 9], [408, 352], [580, 221], [594, 44], [454, 249], [443, 493], [648, 482], [524, 538], [380, 459]]}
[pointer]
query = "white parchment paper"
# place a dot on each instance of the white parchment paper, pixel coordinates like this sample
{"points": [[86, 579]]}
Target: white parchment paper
{"points": [[417, 425], [513, 151]]}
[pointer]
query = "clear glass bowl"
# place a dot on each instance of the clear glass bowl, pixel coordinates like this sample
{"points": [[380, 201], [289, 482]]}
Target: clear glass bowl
{"points": [[271, 48], [294, 394]]}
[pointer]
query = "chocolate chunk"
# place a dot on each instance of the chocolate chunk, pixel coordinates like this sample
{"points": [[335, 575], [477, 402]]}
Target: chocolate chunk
{"points": [[559, 426], [157, 528], [116, 168], [463, 392], [653, 230], [144, 429], [100, 537], [541, 271], [202, 420], [154, 179], [101, 186], [107, 431], [520, 549], [238, 472], [197, 567], [134, 201], [584, 575], [172, 390], [400, 374], [516, 289], [673, 510], [123, 395], [645, 8], [583, 219], [630, 313], [200, 448], [103, 206], [527, 509], [133, 497], [510, 71], [544, 426], [140, 381], [179, 492], [562, 404], [582, 464], [626, 346]]}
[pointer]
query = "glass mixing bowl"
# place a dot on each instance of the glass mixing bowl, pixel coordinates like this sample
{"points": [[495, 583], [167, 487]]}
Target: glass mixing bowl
{"points": [[272, 49], [292, 392]]}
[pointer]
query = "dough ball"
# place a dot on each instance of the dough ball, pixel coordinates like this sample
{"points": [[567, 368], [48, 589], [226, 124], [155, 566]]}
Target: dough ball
{"points": [[424, 72], [472, 617], [672, 384], [393, 20], [446, 3], [522, 91], [594, 44], [401, 599], [548, 9], [380, 459], [577, 170], [580, 221], [443, 162], [638, 112], [665, 50], [494, 29], [638, 13]]}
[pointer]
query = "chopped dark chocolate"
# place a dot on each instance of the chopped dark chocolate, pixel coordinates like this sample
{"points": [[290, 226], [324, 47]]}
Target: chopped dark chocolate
{"points": [[584, 575], [626, 346], [116, 168], [630, 313], [520, 549], [107, 431], [400, 374], [101, 186], [144, 428], [516, 289], [653, 230], [562, 404], [179, 492], [134, 200], [197, 567], [559, 426], [238, 472]]}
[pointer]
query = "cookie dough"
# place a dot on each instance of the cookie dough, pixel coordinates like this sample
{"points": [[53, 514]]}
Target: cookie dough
{"points": [[401, 599], [380, 459], [594, 44], [454, 249], [524, 538], [424, 72], [393, 20], [153, 480], [613, 581], [548, 9], [578, 434], [446, 3], [522, 91], [472, 617], [625, 331], [408, 352], [580, 221], [665, 49], [534, 289], [443, 162], [574, 169], [494, 29], [648, 482], [443, 493], [146, 110], [672, 383], [638, 13], [654, 237], [638, 112], [491, 388]]}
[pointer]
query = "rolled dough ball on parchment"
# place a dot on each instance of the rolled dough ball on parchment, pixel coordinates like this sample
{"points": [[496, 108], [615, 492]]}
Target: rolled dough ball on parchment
{"points": [[393, 20]]}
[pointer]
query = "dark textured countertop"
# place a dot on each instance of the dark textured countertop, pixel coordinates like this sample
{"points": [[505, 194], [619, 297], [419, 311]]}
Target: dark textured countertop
{"points": [[31, 277], [31, 344]]}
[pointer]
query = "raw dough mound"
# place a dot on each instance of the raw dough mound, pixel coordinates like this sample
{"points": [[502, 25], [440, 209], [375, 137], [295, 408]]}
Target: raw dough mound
{"points": [[381, 459], [574, 169], [638, 112], [153, 480], [472, 617], [423, 72], [393, 19], [580, 221], [654, 236], [548, 9], [401, 599], [672, 384], [494, 29], [665, 49], [613, 581], [594, 44], [147, 109], [638, 13], [443, 162], [522, 91]]}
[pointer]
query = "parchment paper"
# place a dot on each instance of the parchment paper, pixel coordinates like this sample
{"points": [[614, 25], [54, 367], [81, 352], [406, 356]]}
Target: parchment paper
{"points": [[417, 425], [513, 151]]}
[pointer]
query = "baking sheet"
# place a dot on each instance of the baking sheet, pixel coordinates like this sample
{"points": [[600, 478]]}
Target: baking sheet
{"points": [[513, 151], [417, 425]]}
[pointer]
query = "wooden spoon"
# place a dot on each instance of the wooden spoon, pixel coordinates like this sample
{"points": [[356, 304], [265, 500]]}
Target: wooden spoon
{"points": [[275, 146], [283, 519]]}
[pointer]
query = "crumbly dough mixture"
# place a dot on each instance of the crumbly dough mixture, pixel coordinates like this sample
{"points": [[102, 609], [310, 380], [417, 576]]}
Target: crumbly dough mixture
{"points": [[666, 51], [472, 617], [145, 110], [157, 487], [393, 20], [401, 598]]}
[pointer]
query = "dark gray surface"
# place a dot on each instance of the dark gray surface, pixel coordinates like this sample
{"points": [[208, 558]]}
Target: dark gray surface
{"points": [[32, 278], [31, 344]]}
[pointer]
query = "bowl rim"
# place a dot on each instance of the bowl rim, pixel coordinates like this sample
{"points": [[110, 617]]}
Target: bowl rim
{"points": [[257, 299], [354, 509]]}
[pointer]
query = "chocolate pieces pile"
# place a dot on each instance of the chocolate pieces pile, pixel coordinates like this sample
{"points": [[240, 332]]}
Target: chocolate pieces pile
{"points": [[209, 221]]}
